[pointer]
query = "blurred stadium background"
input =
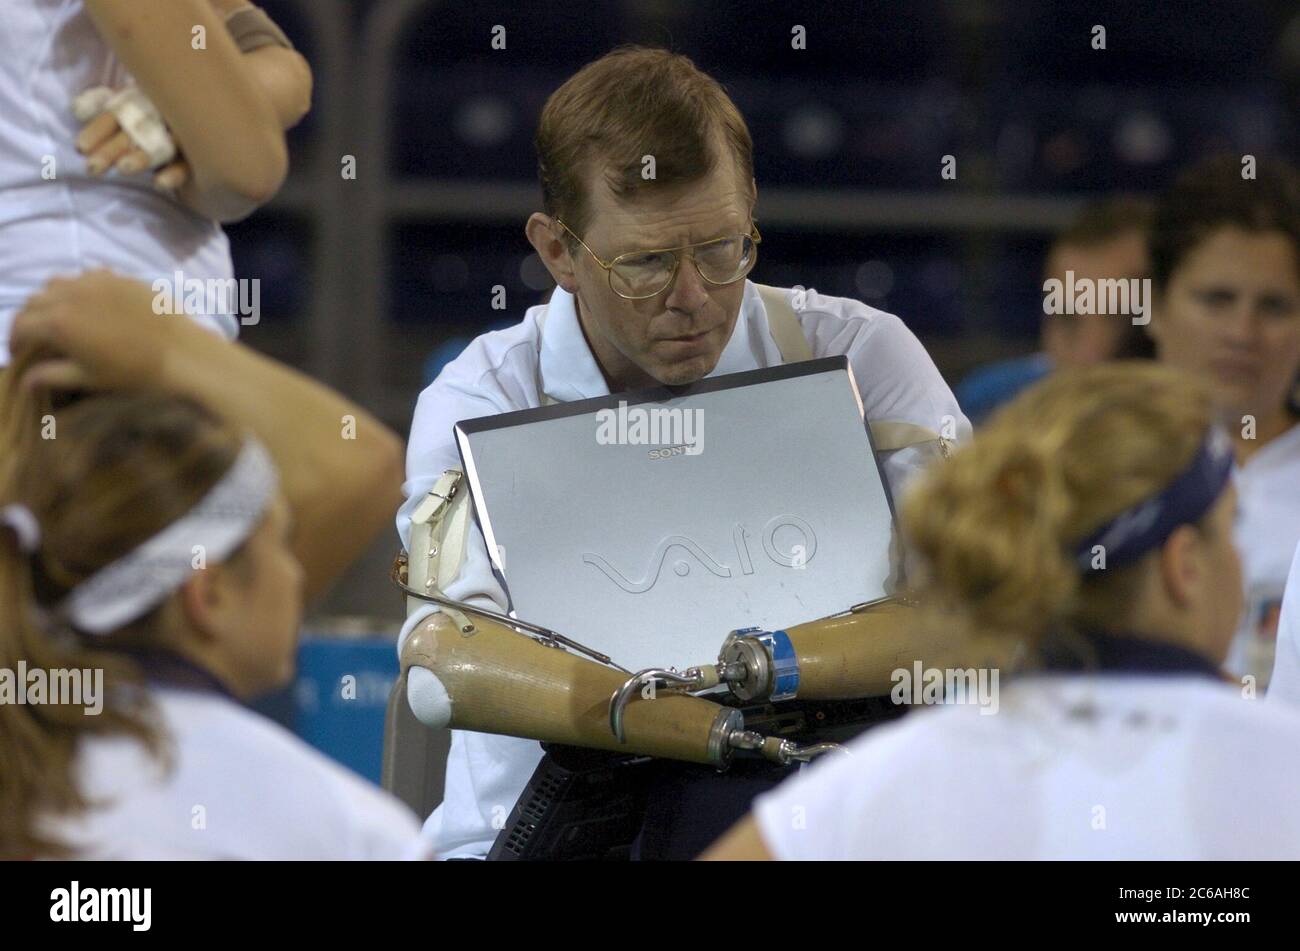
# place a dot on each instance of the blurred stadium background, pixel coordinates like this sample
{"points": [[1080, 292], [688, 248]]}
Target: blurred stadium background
{"points": [[371, 284]]}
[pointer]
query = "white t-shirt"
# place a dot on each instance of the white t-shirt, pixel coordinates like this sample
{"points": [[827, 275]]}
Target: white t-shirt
{"points": [[241, 787], [1285, 684], [50, 51], [1267, 532], [1118, 766], [511, 369]]}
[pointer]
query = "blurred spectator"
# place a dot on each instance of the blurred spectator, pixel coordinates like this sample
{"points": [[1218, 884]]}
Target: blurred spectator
{"points": [[1225, 265], [1107, 240]]}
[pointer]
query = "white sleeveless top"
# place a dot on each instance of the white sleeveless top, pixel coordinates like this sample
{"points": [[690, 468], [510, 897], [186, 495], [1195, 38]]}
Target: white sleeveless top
{"points": [[50, 51]]}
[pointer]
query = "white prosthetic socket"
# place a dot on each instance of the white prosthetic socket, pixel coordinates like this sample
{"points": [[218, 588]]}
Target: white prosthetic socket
{"points": [[137, 116], [428, 698]]}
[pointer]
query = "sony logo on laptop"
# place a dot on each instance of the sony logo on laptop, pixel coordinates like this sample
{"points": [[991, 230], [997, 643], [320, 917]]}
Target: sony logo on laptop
{"points": [[672, 451]]}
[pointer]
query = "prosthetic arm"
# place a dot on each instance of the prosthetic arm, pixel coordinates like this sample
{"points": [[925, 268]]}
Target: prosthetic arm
{"points": [[497, 674]]}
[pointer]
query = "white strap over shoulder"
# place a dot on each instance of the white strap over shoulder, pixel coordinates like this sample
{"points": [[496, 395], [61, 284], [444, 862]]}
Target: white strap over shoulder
{"points": [[439, 530], [888, 435], [783, 323]]}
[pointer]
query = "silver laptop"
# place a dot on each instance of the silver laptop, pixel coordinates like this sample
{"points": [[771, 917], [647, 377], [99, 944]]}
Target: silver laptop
{"points": [[647, 525]]}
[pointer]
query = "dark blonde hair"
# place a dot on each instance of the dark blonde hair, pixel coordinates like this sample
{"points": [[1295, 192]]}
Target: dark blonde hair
{"points": [[102, 474], [995, 527], [632, 102]]}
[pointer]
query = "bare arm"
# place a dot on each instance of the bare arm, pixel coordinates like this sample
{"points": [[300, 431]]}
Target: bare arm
{"points": [[223, 121], [284, 75], [341, 469]]}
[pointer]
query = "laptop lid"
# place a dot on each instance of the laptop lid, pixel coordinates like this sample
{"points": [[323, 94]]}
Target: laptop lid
{"points": [[648, 525]]}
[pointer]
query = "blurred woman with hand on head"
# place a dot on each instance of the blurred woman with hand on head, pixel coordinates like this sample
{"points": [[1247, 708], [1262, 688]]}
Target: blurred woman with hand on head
{"points": [[167, 502]]}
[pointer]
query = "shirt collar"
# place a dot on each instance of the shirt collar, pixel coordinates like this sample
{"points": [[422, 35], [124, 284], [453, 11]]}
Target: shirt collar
{"points": [[164, 668], [1096, 651], [569, 370]]}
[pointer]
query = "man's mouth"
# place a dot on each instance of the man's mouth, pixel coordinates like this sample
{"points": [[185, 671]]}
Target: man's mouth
{"points": [[691, 338]]}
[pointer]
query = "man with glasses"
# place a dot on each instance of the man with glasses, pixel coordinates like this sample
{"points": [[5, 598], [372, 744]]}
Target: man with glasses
{"points": [[646, 169]]}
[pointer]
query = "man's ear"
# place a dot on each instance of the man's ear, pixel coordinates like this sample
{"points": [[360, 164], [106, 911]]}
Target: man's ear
{"points": [[544, 235], [1181, 565]]}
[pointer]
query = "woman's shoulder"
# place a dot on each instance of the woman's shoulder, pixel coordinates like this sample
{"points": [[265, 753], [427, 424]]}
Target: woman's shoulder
{"points": [[237, 785], [271, 757]]}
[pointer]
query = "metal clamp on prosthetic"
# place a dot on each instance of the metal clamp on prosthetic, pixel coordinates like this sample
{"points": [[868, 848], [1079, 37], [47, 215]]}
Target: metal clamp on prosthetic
{"points": [[506, 676], [754, 664], [759, 665]]}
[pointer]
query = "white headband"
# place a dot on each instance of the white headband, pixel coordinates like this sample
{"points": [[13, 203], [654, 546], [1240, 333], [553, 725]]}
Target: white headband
{"points": [[221, 521]]}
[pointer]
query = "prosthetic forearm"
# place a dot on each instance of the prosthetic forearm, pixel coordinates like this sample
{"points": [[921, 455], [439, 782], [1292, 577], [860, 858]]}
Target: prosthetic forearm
{"points": [[836, 658], [842, 657]]}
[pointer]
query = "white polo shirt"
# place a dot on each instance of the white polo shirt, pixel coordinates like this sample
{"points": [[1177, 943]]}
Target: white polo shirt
{"points": [[1118, 766], [54, 218], [1285, 684], [511, 369], [242, 787], [1267, 532]]}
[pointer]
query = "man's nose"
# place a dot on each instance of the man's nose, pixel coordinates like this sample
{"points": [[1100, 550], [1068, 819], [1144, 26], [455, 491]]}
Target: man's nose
{"points": [[689, 291]]}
